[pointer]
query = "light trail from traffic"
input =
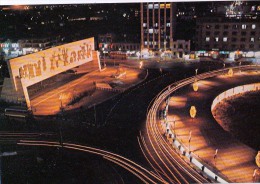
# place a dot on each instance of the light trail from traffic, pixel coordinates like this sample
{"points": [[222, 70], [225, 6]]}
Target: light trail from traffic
{"points": [[159, 153], [136, 169]]}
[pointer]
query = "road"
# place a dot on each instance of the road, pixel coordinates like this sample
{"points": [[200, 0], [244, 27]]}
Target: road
{"points": [[125, 119], [161, 154]]}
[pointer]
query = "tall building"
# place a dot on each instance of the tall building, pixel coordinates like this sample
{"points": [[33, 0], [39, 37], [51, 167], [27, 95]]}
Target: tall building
{"points": [[227, 34], [157, 25]]}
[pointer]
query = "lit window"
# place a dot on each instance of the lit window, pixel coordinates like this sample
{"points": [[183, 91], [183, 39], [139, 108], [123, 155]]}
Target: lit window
{"points": [[225, 39], [168, 25], [144, 24], [252, 39], [150, 6], [156, 6], [156, 25], [216, 39], [253, 26], [207, 39], [243, 26], [150, 31], [145, 42]]}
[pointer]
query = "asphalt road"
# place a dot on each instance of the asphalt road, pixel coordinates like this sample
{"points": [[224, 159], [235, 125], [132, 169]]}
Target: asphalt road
{"points": [[121, 118]]}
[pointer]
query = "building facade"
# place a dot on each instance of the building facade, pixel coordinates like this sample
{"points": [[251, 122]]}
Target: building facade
{"points": [[180, 48], [157, 25], [107, 43], [227, 34]]}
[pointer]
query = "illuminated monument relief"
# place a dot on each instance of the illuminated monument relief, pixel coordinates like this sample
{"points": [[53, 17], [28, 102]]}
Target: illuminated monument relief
{"points": [[33, 68]]}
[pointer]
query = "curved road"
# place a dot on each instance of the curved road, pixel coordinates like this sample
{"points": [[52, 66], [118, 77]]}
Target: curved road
{"points": [[160, 153]]}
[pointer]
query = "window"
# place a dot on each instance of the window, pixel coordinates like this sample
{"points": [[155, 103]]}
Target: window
{"points": [[252, 33], [234, 39], [225, 33], [242, 46], [234, 27], [156, 25], [251, 46], [145, 42], [216, 33], [208, 26], [253, 26], [217, 26], [207, 39], [207, 33], [243, 26], [150, 31], [225, 26], [252, 39], [243, 39], [224, 39], [234, 33], [144, 24], [216, 39], [168, 25], [243, 33]]}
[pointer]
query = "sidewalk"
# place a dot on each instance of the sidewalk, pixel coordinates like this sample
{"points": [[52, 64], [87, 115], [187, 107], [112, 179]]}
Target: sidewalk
{"points": [[234, 159]]}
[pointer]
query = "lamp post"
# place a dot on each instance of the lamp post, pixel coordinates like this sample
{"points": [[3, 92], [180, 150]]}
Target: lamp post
{"points": [[174, 127], [215, 156], [60, 98], [190, 141], [196, 71], [193, 112]]}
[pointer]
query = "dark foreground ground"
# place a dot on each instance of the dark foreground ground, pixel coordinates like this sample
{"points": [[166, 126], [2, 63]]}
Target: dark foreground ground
{"points": [[240, 116]]}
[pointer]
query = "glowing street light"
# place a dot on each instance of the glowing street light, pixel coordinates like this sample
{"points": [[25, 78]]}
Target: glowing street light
{"points": [[257, 159], [141, 64], [195, 85], [193, 112], [230, 72]]}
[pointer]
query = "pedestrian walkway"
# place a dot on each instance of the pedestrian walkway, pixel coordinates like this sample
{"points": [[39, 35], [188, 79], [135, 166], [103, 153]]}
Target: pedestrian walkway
{"points": [[208, 140]]}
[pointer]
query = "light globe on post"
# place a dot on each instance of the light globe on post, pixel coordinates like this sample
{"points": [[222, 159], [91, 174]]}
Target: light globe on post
{"points": [[193, 112], [195, 85]]}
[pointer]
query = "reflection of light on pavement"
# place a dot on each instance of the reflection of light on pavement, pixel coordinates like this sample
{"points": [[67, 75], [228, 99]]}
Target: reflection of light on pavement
{"points": [[178, 102]]}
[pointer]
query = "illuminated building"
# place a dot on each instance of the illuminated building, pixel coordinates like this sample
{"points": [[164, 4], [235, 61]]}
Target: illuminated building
{"points": [[107, 42], [157, 25], [227, 34]]}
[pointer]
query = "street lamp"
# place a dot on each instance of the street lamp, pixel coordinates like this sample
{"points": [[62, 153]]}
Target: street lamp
{"points": [[60, 98], [215, 156], [189, 141], [193, 112], [141, 64], [174, 126], [195, 85]]}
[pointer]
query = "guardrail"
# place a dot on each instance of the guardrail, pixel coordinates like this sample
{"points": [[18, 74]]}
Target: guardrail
{"points": [[234, 91], [165, 93]]}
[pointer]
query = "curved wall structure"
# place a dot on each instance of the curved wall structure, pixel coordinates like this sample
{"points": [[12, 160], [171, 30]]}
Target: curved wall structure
{"points": [[234, 91]]}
